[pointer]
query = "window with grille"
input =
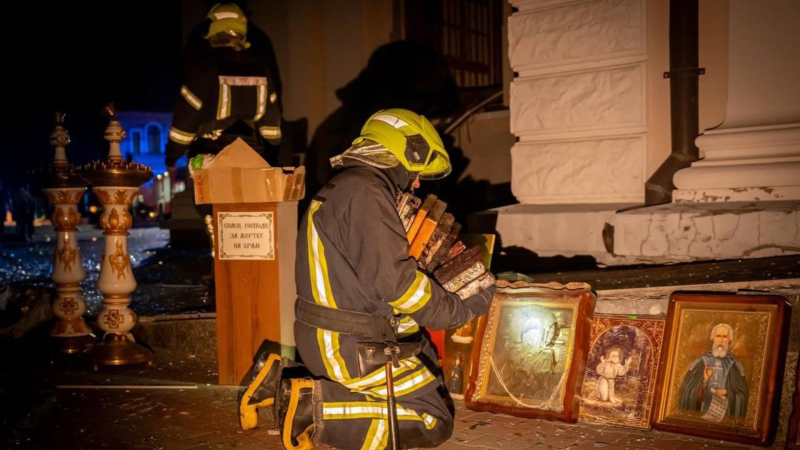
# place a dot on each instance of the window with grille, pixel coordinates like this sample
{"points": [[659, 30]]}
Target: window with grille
{"points": [[467, 32]]}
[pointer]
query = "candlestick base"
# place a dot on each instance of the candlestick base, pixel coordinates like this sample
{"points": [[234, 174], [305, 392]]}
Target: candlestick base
{"points": [[74, 344], [119, 350]]}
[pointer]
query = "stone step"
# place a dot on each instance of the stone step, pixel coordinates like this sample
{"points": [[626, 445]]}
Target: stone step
{"points": [[701, 231]]}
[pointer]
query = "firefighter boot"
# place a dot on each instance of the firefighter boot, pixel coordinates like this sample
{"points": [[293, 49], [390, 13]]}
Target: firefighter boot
{"points": [[260, 392], [295, 413]]}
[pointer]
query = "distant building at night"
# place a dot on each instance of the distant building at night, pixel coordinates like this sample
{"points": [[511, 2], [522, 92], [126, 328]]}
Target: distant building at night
{"points": [[146, 138]]}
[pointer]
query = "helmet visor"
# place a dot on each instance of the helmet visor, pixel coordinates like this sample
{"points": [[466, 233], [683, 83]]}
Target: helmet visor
{"points": [[438, 167]]}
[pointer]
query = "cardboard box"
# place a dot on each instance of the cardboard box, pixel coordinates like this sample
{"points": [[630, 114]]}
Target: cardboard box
{"points": [[238, 174]]}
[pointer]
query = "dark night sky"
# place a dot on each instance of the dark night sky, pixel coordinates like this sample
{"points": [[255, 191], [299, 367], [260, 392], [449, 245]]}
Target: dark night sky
{"points": [[76, 57]]}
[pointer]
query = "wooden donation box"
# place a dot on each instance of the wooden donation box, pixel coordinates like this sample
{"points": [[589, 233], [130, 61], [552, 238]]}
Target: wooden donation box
{"points": [[254, 238]]}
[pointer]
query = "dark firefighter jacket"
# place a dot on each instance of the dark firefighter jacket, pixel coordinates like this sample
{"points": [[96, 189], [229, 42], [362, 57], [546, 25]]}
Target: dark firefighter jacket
{"points": [[220, 89], [352, 254]]}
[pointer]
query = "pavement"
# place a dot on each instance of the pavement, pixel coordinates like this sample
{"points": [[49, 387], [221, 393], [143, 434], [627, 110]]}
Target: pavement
{"points": [[56, 403], [53, 402]]}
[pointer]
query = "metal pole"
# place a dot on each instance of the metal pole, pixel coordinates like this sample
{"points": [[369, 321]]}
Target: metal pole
{"points": [[391, 401]]}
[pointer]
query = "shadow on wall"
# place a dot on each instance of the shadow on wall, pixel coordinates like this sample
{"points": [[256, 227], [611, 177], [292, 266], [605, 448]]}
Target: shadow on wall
{"points": [[400, 74], [466, 195], [410, 75], [523, 260]]}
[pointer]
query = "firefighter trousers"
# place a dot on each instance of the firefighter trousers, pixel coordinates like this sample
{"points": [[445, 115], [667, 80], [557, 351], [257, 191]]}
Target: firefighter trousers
{"points": [[355, 421]]}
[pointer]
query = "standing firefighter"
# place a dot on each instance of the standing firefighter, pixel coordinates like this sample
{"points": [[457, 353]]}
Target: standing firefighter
{"points": [[356, 283], [228, 93]]}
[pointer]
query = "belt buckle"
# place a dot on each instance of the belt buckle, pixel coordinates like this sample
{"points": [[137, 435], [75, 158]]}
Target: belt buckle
{"points": [[392, 350]]}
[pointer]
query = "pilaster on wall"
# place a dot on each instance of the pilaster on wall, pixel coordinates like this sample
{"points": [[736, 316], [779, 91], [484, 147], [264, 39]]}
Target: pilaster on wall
{"points": [[754, 155], [742, 198], [579, 102]]}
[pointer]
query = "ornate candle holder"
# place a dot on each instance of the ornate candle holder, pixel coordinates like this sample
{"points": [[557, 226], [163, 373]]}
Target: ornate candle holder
{"points": [[65, 188], [116, 183]]}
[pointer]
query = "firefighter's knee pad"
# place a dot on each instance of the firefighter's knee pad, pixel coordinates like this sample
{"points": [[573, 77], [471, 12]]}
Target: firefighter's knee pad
{"points": [[295, 413], [261, 390]]}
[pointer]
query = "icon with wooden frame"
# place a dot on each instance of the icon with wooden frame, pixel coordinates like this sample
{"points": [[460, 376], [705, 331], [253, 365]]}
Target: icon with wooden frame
{"points": [[722, 365], [621, 370], [531, 350]]}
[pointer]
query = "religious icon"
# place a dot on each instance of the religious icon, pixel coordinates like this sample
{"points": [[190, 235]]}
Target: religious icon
{"points": [[529, 347], [608, 371], [620, 372], [715, 379], [721, 370], [456, 379]]}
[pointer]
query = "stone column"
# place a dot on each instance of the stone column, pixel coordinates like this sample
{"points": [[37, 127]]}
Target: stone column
{"points": [[742, 198], [579, 106], [755, 154]]}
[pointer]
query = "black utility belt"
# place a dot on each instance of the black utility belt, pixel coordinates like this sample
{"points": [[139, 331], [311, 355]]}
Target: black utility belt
{"points": [[379, 333], [364, 325]]}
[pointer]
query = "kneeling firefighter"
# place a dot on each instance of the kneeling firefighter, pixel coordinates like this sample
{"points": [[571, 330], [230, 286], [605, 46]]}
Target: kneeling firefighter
{"points": [[358, 286]]}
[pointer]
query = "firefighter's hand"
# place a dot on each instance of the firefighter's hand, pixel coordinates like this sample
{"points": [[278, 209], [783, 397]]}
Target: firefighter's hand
{"points": [[479, 303]]}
